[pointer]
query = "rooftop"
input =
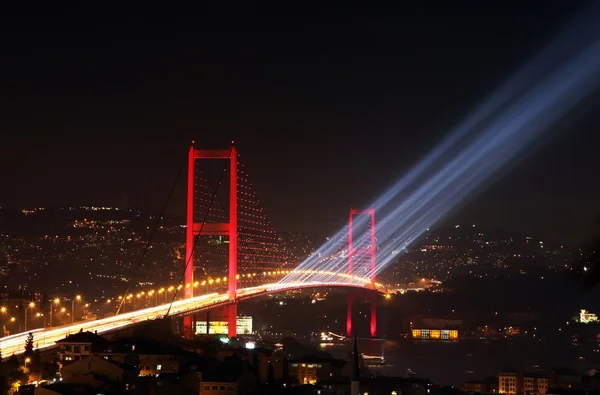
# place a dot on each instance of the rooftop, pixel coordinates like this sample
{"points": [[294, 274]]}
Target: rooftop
{"points": [[227, 371], [144, 346], [82, 338]]}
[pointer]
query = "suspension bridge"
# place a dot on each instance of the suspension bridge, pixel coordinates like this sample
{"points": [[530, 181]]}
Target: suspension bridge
{"points": [[238, 236]]}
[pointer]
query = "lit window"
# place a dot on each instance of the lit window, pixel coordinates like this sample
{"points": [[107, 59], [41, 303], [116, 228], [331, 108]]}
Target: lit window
{"points": [[158, 367]]}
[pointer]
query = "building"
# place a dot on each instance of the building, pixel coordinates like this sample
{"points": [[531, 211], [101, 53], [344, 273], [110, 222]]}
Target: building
{"points": [[586, 317], [230, 377], [270, 365], [243, 324], [97, 372], [265, 360], [511, 331], [435, 329], [309, 370], [79, 345], [152, 357], [65, 388], [565, 379], [377, 385], [435, 334], [508, 383], [481, 386], [513, 383], [535, 384]]}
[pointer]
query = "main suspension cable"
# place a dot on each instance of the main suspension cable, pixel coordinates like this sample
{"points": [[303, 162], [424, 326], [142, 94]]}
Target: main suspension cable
{"points": [[151, 237]]}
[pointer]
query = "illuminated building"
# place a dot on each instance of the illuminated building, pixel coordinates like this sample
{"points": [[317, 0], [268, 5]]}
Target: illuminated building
{"points": [[481, 386], [586, 317], [78, 346], [309, 370], [435, 329], [507, 383], [244, 326], [512, 383], [435, 334]]}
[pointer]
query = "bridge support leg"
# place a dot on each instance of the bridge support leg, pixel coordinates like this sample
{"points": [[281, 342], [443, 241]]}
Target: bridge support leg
{"points": [[189, 238], [349, 315], [188, 323], [373, 314], [232, 320]]}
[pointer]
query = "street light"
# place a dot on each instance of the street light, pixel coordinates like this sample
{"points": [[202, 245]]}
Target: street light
{"points": [[31, 305], [78, 298], [55, 301]]}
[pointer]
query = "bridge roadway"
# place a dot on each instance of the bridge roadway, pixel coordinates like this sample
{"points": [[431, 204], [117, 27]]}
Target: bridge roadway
{"points": [[44, 338]]}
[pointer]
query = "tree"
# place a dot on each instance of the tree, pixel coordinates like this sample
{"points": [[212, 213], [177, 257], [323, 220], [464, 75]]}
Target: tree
{"points": [[271, 375], [12, 363], [36, 362], [29, 346], [14, 375], [17, 378]]}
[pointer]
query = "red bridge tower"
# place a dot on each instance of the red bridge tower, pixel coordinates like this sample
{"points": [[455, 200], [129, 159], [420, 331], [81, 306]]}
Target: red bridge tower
{"points": [[361, 261], [229, 229]]}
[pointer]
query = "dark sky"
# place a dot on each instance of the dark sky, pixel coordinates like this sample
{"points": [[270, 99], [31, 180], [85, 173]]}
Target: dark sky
{"points": [[328, 102]]}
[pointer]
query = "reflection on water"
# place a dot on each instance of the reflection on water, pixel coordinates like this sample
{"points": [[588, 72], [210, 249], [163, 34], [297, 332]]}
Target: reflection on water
{"points": [[453, 363]]}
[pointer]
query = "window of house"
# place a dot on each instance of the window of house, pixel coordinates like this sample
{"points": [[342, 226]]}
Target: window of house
{"points": [[158, 367], [294, 365], [69, 348], [221, 388], [207, 388], [215, 387], [77, 349], [86, 348]]}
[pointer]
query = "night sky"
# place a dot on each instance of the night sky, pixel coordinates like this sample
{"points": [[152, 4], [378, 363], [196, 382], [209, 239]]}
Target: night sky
{"points": [[327, 104]]}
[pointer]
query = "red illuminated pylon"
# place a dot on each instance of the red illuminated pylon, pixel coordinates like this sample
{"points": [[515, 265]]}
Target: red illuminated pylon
{"points": [[371, 272], [229, 229]]}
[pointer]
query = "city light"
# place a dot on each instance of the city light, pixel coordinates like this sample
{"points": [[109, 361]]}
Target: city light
{"points": [[491, 140]]}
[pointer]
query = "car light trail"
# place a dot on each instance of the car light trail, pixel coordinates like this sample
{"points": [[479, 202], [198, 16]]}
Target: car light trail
{"points": [[494, 135], [14, 344]]}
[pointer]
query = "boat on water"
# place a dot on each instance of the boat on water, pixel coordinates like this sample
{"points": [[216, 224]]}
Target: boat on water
{"points": [[329, 338], [372, 359]]}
